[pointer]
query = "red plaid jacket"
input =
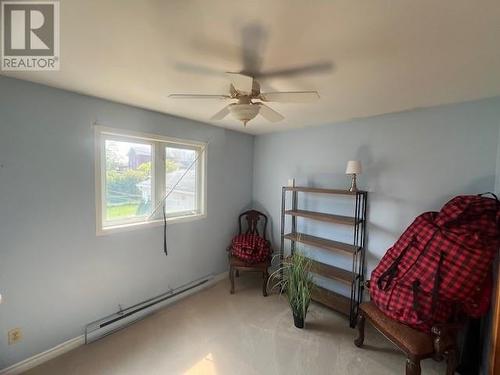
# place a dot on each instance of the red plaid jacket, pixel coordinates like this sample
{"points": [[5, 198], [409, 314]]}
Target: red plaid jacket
{"points": [[443, 260]]}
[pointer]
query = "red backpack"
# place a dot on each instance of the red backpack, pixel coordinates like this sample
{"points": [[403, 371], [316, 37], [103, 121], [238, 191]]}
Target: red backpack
{"points": [[441, 262]]}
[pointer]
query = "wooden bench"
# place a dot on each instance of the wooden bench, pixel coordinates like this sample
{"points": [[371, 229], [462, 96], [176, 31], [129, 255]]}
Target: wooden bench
{"points": [[417, 345]]}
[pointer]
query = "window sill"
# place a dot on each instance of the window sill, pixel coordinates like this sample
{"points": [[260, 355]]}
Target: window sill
{"points": [[147, 224]]}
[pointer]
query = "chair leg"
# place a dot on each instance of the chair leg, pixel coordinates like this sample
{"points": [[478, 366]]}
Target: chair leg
{"points": [[237, 273], [451, 362], [231, 278], [264, 285], [361, 331], [413, 366]]}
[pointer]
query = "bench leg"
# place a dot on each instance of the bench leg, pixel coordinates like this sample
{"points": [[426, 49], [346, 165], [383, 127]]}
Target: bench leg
{"points": [[231, 278], [451, 362], [413, 366], [361, 331]]}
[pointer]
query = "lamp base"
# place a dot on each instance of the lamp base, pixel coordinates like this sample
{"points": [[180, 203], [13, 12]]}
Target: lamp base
{"points": [[353, 187]]}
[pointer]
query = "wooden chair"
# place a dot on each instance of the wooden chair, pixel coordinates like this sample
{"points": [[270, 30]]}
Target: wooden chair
{"points": [[253, 221], [417, 345]]}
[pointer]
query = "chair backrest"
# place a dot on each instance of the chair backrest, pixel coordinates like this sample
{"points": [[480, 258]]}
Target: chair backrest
{"points": [[252, 218]]}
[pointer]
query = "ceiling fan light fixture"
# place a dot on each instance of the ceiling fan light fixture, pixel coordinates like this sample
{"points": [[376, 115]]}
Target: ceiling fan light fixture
{"points": [[244, 89], [244, 112]]}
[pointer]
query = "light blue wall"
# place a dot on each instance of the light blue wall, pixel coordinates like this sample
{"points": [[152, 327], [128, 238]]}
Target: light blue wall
{"points": [[413, 162], [55, 274]]}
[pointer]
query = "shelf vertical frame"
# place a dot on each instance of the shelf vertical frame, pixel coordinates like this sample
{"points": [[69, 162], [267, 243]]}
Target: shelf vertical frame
{"points": [[294, 218], [282, 246]]}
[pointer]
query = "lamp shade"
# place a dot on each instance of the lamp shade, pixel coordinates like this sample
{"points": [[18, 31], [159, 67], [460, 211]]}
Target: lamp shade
{"points": [[353, 167]]}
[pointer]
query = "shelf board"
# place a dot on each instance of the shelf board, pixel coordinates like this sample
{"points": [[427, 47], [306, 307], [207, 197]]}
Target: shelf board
{"points": [[322, 243], [322, 191], [331, 272], [320, 216], [332, 300]]}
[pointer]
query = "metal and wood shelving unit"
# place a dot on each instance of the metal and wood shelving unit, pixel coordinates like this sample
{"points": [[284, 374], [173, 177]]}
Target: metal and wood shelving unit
{"points": [[353, 278]]}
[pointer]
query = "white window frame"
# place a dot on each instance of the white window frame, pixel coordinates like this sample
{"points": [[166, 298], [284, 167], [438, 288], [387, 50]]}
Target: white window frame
{"points": [[158, 145]]}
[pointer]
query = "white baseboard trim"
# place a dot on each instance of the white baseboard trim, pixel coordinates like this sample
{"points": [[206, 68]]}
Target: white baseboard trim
{"points": [[38, 359], [56, 351]]}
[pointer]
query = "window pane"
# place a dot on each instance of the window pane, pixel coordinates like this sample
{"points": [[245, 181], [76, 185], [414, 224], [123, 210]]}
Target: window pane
{"points": [[128, 180], [177, 171]]}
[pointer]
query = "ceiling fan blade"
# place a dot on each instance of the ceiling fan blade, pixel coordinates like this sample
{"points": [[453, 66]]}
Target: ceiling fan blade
{"points": [[317, 68], [241, 82], [290, 97], [198, 69], [214, 49], [221, 114], [198, 96], [253, 41], [269, 114]]}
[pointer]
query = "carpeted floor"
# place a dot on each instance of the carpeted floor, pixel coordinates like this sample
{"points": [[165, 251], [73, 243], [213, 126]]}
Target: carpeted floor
{"points": [[215, 333]]}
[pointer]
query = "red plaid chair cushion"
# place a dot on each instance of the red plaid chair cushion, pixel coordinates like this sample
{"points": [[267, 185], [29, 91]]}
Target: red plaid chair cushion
{"points": [[251, 248]]}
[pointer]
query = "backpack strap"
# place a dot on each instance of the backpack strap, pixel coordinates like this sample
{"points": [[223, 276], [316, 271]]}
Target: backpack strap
{"points": [[489, 193], [437, 284], [415, 288], [498, 204], [435, 291], [391, 272]]}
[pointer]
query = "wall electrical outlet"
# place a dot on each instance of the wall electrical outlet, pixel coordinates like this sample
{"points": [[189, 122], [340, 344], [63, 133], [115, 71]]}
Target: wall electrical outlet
{"points": [[15, 335]]}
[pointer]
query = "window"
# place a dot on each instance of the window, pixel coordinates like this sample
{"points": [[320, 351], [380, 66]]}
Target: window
{"points": [[136, 174]]}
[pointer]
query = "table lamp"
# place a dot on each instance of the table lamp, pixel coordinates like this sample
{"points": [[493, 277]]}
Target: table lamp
{"points": [[353, 168]]}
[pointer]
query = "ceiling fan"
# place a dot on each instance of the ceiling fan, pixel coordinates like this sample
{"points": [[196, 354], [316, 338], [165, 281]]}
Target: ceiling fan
{"points": [[250, 101]]}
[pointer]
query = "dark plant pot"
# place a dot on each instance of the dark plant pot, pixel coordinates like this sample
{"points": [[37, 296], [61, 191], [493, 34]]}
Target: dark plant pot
{"points": [[298, 321]]}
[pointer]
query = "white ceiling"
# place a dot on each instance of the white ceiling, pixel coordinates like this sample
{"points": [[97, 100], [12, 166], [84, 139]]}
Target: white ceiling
{"points": [[370, 57]]}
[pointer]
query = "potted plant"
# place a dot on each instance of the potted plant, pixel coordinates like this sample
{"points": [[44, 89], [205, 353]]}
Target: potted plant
{"points": [[294, 278]]}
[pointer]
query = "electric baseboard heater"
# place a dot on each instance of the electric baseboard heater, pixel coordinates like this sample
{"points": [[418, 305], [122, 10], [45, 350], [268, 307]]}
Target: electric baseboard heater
{"points": [[125, 317]]}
